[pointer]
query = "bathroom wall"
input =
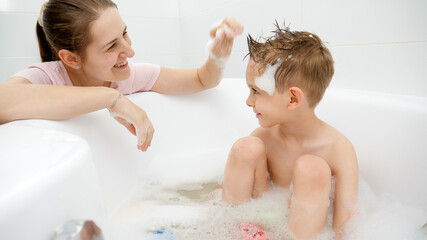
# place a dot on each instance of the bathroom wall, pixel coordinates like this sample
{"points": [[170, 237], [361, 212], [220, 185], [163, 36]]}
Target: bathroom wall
{"points": [[378, 45], [154, 27]]}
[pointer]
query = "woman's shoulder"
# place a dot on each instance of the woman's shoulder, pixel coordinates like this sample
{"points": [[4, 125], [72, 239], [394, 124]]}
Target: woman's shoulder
{"points": [[46, 73], [46, 66], [142, 78]]}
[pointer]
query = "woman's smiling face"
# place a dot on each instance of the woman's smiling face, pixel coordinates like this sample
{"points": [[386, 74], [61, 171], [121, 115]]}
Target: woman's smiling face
{"points": [[106, 56]]}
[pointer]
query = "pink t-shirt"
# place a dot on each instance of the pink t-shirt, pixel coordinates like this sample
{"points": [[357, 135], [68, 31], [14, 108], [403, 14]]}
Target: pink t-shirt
{"points": [[142, 76]]}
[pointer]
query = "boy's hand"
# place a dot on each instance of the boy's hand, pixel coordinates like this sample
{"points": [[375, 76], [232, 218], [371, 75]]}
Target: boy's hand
{"points": [[222, 36], [135, 120]]}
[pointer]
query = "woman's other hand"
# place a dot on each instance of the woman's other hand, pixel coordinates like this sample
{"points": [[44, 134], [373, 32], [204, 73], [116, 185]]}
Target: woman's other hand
{"points": [[135, 120]]}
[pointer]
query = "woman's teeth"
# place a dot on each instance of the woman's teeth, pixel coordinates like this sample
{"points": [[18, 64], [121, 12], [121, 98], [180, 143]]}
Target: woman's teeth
{"points": [[121, 64]]}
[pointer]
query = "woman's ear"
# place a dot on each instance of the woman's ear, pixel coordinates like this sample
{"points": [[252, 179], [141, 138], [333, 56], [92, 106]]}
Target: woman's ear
{"points": [[69, 58], [296, 97]]}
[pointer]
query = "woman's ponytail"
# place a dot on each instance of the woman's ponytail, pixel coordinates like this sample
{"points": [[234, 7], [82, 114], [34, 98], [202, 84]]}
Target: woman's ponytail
{"points": [[46, 52]]}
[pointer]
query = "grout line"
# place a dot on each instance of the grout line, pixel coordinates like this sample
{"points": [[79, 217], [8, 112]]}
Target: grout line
{"points": [[15, 58], [204, 11], [376, 44], [20, 13]]}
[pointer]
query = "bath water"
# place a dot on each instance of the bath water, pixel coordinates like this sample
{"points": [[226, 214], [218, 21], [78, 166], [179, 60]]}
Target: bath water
{"points": [[195, 212]]}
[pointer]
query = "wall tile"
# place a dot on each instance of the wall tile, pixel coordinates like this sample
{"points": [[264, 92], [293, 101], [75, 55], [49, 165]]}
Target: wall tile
{"points": [[191, 7], [20, 6], [11, 66], [151, 36], [165, 60], [149, 8], [18, 39], [355, 22], [392, 68]]}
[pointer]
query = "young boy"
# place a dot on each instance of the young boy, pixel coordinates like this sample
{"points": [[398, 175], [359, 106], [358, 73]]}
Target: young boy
{"points": [[287, 76]]}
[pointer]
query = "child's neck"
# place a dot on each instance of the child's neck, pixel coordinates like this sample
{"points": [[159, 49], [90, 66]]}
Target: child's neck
{"points": [[301, 127]]}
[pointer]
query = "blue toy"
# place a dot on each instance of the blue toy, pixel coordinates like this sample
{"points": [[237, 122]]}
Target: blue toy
{"points": [[163, 234]]}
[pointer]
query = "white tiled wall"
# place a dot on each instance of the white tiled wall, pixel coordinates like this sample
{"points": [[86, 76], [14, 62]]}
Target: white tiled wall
{"points": [[154, 27], [378, 45]]}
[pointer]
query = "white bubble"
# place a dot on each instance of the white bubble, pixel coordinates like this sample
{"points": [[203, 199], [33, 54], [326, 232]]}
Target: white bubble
{"points": [[266, 81], [195, 211]]}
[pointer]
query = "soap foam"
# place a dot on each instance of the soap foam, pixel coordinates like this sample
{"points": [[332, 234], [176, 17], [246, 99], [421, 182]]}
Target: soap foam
{"points": [[192, 209], [140, 139], [266, 81], [224, 30]]}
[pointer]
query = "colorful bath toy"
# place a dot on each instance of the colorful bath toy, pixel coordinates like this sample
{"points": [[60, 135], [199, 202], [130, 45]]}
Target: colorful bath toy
{"points": [[162, 234], [251, 231]]}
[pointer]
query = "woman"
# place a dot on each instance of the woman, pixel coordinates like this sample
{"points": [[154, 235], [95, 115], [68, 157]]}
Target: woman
{"points": [[85, 48]]}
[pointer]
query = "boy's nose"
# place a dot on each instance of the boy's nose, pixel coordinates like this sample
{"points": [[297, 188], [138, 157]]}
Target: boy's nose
{"points": [[249, 102]]}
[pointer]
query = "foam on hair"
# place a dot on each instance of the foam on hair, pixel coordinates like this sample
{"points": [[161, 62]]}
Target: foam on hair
{"points": [[305, 61], [266, 81]]}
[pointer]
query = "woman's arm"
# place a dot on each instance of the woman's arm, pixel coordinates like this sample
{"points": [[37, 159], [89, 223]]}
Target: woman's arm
{"points": [[19, 99], [179, 81], [22, 100]]}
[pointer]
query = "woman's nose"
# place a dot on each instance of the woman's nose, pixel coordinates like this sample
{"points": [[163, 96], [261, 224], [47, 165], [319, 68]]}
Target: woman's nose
{"points": [[128, 50]]}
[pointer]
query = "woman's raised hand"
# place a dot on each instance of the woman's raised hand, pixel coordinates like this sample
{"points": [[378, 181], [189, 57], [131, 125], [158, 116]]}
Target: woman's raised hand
{"points": [[135, 120], [222, 36]]}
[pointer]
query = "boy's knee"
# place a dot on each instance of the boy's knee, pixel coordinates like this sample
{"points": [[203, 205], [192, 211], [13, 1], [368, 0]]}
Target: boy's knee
{"points": [[313, 169], [247, 150]]}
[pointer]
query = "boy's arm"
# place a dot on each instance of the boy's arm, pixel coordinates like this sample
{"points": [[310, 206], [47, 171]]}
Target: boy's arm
{"points": [[346, 173]]}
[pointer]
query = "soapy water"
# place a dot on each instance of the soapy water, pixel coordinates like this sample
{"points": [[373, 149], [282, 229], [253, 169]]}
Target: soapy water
{"points": [[196, 212]]}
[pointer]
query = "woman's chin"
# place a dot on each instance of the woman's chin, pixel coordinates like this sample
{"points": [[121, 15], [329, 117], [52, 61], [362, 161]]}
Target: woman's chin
{"points": [[121, 75]]}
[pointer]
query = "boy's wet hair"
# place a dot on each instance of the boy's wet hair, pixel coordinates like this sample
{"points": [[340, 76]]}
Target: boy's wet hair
{"points": [[304, 60]]}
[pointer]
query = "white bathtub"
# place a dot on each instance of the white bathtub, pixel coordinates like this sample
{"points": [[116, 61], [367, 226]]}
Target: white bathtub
{"points": [[88, 167]]}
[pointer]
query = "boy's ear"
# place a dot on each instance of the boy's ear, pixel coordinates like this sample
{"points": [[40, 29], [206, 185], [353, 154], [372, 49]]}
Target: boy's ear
{"points": [[69, 58], [296, 96]]}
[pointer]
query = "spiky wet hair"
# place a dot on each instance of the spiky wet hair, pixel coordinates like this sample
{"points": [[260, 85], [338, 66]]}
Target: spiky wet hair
{"points": [[304, 60]]}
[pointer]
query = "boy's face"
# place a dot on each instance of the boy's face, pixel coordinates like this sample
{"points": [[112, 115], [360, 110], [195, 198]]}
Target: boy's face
{"points": [[269, 109]]}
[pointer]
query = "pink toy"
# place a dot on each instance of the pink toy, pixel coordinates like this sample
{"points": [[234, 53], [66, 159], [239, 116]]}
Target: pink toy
{"points": [[251, 231]]}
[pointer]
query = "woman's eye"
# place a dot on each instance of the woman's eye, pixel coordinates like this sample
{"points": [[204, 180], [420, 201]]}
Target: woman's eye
{"points": [[254, 91], [112, 46]]}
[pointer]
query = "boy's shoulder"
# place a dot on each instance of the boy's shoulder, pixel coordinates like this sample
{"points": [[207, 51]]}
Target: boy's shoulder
{"points": [[329, 143], [337, 138], [341, 152], [263, 133]]}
